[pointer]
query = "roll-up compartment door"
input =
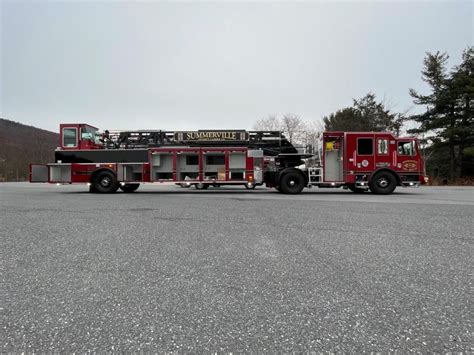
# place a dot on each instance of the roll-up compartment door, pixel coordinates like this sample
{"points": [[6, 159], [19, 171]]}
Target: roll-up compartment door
{"points": [[60, 173], [38, 173]]}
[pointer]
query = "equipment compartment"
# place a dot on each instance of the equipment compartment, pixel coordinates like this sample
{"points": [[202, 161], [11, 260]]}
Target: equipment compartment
{"points": [[161, 166], [130, 172], [187, 166], [38, 173], [60, 173], [214, 165], [237, 161]]}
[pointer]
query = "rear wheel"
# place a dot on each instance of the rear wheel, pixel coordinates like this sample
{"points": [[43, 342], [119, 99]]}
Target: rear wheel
{"points": [[250, 186], [129, 187], [383, 183], [105, 182], [292, 183]]}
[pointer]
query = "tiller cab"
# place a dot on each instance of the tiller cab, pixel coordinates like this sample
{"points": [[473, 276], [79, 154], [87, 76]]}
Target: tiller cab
{"points": [[108, 161]]}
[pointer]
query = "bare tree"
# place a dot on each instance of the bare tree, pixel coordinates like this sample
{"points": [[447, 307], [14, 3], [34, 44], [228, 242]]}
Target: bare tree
{"points": [[292, 126], [42, 147], [295, 129], [310, 134], [269, 123]]}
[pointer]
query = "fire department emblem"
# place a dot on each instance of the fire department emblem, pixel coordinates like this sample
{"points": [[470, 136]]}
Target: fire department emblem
{"points": [[365, 163], [410, 165]]}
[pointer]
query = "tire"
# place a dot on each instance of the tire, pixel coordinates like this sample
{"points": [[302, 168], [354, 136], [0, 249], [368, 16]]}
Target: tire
{"points": [[356, 190], [292, 183], [383, 183], [250, 187], [129, 187], [105, 182]]}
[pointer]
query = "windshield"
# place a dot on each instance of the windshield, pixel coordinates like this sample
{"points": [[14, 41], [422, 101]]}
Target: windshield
{"points": [[90, 133]]}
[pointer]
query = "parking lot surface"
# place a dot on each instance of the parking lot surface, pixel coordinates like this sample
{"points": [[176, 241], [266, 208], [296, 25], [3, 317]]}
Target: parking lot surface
{"points": [[172, 269]]}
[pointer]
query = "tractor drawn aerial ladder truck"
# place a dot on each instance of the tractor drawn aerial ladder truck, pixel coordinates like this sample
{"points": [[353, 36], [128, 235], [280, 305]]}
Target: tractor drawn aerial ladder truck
{"points": [[112, 160]]}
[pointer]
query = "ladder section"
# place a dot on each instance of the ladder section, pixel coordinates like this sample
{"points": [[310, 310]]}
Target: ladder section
{"points": [[271, 142]]}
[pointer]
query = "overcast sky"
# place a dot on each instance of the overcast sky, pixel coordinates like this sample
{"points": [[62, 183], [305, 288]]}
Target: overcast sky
{"points": [[191, 65]]}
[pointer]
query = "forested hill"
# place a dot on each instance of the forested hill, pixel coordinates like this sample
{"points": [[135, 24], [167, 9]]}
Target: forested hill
{"points": [[21, 145]]}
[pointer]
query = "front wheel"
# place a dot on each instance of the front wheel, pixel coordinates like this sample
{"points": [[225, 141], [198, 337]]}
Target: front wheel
{"points": [[105, 182], [292, 183], [250, 186], [129, 187], [383, 183]]}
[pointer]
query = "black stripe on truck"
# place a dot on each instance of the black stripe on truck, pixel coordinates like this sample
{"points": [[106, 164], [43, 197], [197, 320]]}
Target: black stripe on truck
{"points": [[102, 156]]}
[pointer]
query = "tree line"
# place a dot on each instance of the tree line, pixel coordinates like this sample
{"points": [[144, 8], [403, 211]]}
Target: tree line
{"points": [[21, 145], [444, 123]]}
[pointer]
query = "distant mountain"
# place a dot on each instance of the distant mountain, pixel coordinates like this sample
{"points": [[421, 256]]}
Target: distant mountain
{"points": [[21, 145]]}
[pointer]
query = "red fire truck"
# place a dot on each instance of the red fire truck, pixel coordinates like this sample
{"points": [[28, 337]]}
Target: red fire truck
{"points": [[109, 161]]}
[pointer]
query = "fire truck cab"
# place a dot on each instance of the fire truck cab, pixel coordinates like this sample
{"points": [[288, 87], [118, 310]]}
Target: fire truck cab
{"points": [[368, 160], [78, 136], [108, 161]]}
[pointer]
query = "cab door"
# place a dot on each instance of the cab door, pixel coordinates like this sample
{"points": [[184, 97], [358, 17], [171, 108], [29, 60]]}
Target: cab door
{"points": [[406, 158], [360, 152], [383, 158]]}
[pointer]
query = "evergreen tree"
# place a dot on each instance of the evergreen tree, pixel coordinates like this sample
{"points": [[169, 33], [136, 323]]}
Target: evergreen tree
{"points": [[463, 92], [366, 115], [447, 122], [347, 119]]}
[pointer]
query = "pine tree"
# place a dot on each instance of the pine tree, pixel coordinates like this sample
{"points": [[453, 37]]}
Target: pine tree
{"points": [[447, 121], [365, 115], [347, 119], [463, 93]]}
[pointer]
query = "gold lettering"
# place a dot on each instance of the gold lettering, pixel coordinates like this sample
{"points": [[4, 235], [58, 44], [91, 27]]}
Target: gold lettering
{"points": [[213, 135]]}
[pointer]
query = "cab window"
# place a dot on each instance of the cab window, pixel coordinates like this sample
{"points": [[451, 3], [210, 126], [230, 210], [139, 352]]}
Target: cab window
{"points": [[88, 133], [382, 146], [69, 137], [365, 146], [406, 148]]}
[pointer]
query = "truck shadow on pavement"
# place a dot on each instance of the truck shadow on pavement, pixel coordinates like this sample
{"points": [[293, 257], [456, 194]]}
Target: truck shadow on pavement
{"points": [[224, 191]]}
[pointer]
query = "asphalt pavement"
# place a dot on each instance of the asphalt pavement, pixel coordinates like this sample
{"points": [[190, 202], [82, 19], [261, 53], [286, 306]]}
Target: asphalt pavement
{"points": [[231, 270]]}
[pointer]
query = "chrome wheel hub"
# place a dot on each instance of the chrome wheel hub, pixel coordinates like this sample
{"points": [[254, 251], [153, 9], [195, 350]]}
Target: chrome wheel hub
{"points": [[105, 181], [382, 182]]}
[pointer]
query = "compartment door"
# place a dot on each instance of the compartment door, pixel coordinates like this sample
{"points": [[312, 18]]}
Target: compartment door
{"points": [[333, 162], [39, 173]]}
